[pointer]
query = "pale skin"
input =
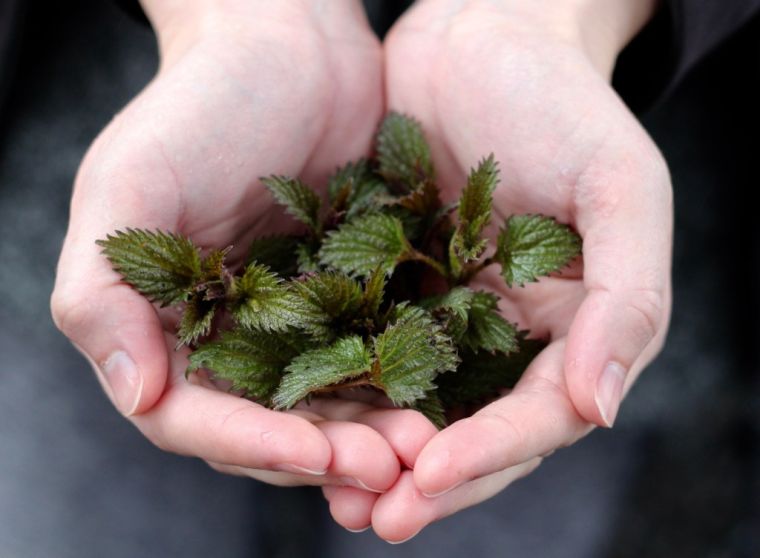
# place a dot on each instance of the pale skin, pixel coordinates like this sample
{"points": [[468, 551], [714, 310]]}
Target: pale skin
{"points": [[528, 81]]}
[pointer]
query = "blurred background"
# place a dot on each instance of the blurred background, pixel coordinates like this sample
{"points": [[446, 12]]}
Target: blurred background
{"points": [[678, 476]]}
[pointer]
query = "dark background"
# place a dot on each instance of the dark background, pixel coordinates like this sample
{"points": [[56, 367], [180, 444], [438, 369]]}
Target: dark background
{"points": [[678, 476]]}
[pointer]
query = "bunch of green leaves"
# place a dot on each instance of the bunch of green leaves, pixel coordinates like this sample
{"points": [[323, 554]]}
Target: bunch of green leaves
{"points": [[347, 300]]}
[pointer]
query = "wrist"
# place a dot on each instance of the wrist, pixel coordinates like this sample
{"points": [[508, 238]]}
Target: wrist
{"points": [[600, 29], [180, 24], [605, 27]]}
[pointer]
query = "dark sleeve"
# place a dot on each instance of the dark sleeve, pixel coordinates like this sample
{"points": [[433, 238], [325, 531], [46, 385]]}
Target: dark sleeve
{"points": [[134, 10], [10, 16], [682, 32]]}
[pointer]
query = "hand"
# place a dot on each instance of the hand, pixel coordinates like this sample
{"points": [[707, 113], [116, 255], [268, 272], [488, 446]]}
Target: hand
{"points": [[245, 89], [528, 84]]}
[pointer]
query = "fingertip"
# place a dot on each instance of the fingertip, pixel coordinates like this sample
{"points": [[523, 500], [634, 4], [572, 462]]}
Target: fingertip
{"points": [[407, 431], [360, 455], [403, 512], [299, 447], [435, 472], [351, 508]]}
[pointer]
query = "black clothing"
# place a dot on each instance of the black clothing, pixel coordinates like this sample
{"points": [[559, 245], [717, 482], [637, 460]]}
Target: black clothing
{"points": [[680, 35]]}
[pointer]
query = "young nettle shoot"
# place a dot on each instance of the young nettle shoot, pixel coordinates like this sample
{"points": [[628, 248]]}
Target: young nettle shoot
{"points": [[373, 291]]}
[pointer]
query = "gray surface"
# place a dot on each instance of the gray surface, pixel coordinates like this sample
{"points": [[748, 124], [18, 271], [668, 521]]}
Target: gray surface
{"points": [[677, 476]]}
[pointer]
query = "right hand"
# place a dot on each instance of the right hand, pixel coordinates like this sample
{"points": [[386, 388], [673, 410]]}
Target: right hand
{"points": [[529, 84], [245, 89]]}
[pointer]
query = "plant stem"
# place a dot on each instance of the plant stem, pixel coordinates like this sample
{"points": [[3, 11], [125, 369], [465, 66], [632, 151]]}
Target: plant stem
{"points": [[416, 256], [359, 382], [471, 271]]}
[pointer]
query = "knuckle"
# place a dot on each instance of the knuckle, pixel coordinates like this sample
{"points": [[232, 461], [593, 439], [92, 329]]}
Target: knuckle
{"points": [[648, 309], [505, 426], [69, 313]]}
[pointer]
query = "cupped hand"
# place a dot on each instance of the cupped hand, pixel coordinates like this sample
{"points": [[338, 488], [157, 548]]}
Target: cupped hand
{"points": [[245, 89], [484, 77]]}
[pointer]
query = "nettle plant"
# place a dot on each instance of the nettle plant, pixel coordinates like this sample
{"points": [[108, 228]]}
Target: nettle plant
{"points": [[371, 293]]}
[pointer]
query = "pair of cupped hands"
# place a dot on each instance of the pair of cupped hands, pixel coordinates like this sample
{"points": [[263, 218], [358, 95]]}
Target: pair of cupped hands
{"points": [[247, 89]]}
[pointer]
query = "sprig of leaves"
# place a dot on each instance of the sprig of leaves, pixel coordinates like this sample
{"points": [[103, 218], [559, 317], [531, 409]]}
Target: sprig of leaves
{"points": [[474, 213], [336, 307]]}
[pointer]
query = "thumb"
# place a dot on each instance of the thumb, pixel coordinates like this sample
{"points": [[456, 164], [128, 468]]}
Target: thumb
{"points": [[115, 328], [621, 324]]}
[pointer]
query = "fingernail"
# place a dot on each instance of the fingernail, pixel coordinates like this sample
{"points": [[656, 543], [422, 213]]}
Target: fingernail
{"points": [[357, 530], [125, 381], [298, 470], [404, 540], [609, 391], [444, 491], [356, 483]]}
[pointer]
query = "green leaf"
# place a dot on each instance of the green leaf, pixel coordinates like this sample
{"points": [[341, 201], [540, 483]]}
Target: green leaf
{"points": [[252, 360], [481, 375], [277, 252], [474, 210], [403, 153], [530, 246], [262, 301], [162, 266], [196, 319], [409, 354], [355, 189], [345, 359], [364, 244], [486, 329], [454, 307], [432, 407], [299, 200], [326, 304]]}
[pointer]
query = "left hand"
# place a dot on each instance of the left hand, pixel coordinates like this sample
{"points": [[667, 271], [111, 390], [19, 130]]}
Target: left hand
{"points": [[529, 84]]}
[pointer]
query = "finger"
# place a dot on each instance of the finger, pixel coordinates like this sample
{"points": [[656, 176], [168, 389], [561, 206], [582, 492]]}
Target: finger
{"points": [[532, 421], [405, 430], [361, 459], [404, 511], [627, 238], [350, 508], [220, 427], [274, 478], [360, 456]]}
